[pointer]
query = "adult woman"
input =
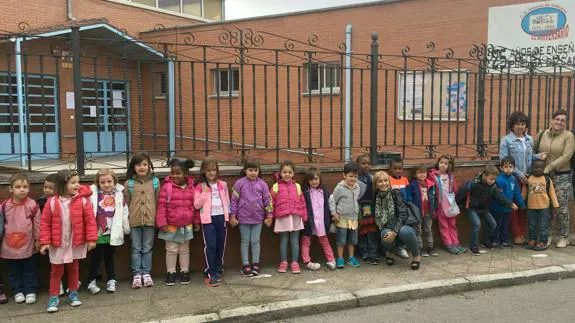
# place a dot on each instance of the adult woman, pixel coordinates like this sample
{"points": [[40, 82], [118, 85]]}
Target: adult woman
{"points": [[519, 145], [559, 144]]}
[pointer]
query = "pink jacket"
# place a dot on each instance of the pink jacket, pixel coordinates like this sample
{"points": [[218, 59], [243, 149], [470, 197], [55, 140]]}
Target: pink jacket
{"points": [[288, 199], [434, 177], [203, 201], [176, 204], [21, 228]]}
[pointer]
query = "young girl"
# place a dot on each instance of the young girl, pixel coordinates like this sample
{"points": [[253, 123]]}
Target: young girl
{"points": [[249, 205], [212, 199], [421, 192], [290, 214], [141, 197], [444, 181], [175, 218], [112, 220], [67, 232], [319, 219]]}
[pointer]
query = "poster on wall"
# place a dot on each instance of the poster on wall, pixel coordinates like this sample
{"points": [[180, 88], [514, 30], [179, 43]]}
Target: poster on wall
{"points": [[536, 31], [439, 96]]}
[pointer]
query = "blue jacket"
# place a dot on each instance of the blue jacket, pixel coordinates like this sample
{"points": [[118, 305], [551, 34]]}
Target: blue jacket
{"points": [[413, 192], [509, 186], [512, 146]]}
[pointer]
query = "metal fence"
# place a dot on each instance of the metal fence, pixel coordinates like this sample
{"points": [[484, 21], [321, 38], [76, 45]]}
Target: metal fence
{"points": [[229, 95]]}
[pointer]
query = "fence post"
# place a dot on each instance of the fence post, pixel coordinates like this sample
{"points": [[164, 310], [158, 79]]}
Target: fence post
{"points": [[480, 145], [373, 98], [76, 56]]}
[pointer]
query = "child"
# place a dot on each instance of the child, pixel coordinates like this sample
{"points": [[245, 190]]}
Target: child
{"points": [[21, 223], [176, 217], [444, 181], [397, 224], [112, 220], [482, 191], [540, 196], [67, 232], [507, 183], [212, 199], [421, 192], [3, 298], [250, 204], [141, 197], [290, 214], [317, 204], [399, 182], [344, 207], [48, 189], [368, 232]]}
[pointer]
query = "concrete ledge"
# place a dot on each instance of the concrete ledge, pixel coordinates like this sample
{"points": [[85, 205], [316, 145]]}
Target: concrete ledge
{"points": [[411, 291], [191, 319], [298, 307], [515, 278]]}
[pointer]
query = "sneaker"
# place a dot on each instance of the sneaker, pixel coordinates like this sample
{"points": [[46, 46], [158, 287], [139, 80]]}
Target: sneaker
{"points": [[562, 243], [53, 304], [19, 298], [549, 241], [531, 244], [313, 266], [218, 278], [170, 279], [3, 298], [294, 267], [93, 287], [61, 290], [74, 298], [331, 265], [148, 282], [507, 245], [402, 253], [137, 282], [353, 262], [540, 246], [185, 277], [424, 253], [256, 269], [111, 286], [79, 285], [453, 250], [474, 251], [31, 298], [374, 261], [282, 268], [487, 244], [247, 270], [340, 263], [211, 282], [367, 260], [461, 250], [432, 252]]}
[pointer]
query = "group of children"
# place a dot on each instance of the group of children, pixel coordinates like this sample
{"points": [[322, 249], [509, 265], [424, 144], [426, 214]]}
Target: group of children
{"points": [[380, 212]]}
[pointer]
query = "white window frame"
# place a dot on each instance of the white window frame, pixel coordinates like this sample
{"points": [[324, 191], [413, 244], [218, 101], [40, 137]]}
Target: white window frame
{"points": [[325, 88], [231, 85], [180, 13]]}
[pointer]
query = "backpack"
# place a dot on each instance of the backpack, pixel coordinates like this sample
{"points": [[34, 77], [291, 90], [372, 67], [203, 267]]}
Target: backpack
{"points": [[413, 212], [155, 182], [547, 187], [463, 200]]}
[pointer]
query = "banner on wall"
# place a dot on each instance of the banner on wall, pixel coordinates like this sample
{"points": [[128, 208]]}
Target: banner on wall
{"points": [[537, 29]]}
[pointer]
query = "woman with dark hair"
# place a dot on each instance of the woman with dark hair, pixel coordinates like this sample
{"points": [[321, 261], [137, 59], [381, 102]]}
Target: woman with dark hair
{"points": [[559, 145], [519, 145]]}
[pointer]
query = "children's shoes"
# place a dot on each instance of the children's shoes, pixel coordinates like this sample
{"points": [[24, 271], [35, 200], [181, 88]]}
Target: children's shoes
{"points": [[295, 268], [313, 266], [74, 298], [353, 262], [3, 298], [53, 304], [283, 267], [137, 282], [331, 265], [340, 263]]}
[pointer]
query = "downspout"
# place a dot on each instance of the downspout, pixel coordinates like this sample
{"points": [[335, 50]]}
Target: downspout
{"points": [[172, 106], [21, 111], [347, 92], [69, 10]]}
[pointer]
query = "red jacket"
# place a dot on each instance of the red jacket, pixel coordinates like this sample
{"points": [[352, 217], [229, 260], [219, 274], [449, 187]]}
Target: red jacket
{"points": [[83, 221], [176, 205]]}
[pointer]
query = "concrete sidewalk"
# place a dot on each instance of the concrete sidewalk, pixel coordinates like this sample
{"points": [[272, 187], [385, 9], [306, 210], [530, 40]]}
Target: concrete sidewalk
{"points": [[164, 303]]}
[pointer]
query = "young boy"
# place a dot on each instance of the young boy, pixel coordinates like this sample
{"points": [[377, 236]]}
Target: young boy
{"points": [[539, 195], [399, 182], [421, 192], [481, 191], [48, 188], [344, 209], [368, 231], [20, 243], [508, 185]]}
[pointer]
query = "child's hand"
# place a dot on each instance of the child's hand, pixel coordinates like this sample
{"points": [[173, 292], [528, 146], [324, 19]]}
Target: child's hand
{"points": [[44, 249], [91, 245], [514, 207], [268, 222], [335, 218], [233, 221], [197, 227]]}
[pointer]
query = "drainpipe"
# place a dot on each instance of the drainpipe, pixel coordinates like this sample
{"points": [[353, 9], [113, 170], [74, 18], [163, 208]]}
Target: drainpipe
{"points": [[21, 111], [172, 106], [69, 10], [347, 92]]}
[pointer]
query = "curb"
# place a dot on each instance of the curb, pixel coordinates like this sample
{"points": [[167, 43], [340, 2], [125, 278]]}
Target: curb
{"points": [[369, 297]]}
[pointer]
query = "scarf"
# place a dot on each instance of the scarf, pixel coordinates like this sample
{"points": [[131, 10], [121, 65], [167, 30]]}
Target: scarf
{"points": [[384, 207]]}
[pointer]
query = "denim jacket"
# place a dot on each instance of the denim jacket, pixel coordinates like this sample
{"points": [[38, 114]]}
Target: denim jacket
{"points": [[512, 146]]}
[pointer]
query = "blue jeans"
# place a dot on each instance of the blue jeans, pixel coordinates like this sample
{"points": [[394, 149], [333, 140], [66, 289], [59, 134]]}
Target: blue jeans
{"points": [[368, 244], [22, 275], [475, 218], [142, 242], [250, 235], [215, 235], [539, 218], [501, 233], [406, 235], [293, 236]]}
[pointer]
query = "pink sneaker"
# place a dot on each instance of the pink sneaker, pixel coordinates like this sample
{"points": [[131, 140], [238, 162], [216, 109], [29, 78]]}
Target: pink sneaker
{"points": [[283, 267], [295, 268], [137, 282], [148, 282]]}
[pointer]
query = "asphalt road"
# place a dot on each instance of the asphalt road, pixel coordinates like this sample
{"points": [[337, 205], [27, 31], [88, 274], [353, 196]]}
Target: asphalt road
{"points": [[541, 302]]}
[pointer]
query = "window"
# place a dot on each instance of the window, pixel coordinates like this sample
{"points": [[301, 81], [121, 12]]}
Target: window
{"points": [[172, 5], [209, 9], [324, 77], [104, 105], [192, 7], [225, 81]]}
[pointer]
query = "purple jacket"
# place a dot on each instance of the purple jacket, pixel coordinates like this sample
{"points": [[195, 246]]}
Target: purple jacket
{"points": [[250, 201]]}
